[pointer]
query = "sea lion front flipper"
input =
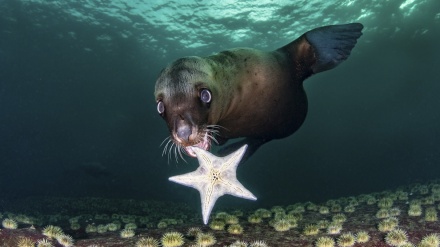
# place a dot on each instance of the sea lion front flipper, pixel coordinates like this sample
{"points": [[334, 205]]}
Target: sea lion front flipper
{"points": [[253, 145], [322, 48]]}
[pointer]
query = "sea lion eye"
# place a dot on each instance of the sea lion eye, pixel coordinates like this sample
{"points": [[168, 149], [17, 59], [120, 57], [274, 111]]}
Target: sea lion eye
{"points": [[160, 107], [205, 96]]}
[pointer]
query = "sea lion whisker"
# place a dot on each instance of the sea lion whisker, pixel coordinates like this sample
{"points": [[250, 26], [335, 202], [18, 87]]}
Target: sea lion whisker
{"points": [[166, 138], [212, 126], [169, 151], [175, 154], [215, 127], [212, 137], [180, 148], [166, 147], [212, 131]]}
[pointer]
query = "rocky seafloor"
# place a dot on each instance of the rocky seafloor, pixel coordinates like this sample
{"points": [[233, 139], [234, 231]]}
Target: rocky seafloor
{"points": [[406, 216]]}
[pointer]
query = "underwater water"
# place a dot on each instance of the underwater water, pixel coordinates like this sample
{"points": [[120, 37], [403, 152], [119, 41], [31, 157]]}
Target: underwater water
{"points": [[80, 134]]}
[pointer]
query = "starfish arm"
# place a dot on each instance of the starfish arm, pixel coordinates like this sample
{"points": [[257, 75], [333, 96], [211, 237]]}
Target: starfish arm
{"points": [[209, 195], [232, 160], [191, 179], [205, 158], [235, 188]]}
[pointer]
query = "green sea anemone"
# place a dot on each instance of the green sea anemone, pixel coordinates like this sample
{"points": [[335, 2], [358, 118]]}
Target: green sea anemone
{"points": [[172, 239], [334, 228], [431, 240], [131, 226], [386, 225], [91, 228], [336, 208], [75, 226], [221, 215], [127, 233], [65, 240], [281, 225], [277, 209], [51, 231], [147, 242], [254, 219], [217, 225], [385, 202], [291, 220], [162, 224], [407, 244], [237, 213], [294, 216], [231, 219], [113, 226], [193, 231], [382, 213], [9, 224], [235, 229], [310, 230], [325, 242], [102, 228], [371, 200], [431, 214], [279, 215], [362, 237], [44, 243], [323, 224], [346, 240], [428, 200], [339, 218], [299, 209], [263, 213], [396, 237], [205, 239], [324, 210], [349, 209], [258, 243], [394, 211], [144, 220], [25, 242], [415, 210], [239, 244]]}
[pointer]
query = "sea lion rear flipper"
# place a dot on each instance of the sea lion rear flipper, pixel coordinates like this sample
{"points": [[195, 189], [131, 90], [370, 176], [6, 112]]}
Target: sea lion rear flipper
{"points": [[253, 145], [323, 48], [333, 44]]}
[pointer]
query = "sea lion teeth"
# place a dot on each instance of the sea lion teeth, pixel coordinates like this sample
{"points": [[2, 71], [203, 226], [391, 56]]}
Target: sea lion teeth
{"points": [[205, 144]]}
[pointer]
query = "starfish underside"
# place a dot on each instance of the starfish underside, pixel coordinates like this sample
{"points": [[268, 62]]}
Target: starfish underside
{"points": [[215, 177]]}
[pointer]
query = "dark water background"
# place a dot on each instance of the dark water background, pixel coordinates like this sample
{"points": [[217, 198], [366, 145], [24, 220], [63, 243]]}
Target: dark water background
{"points": [[78, 116]]}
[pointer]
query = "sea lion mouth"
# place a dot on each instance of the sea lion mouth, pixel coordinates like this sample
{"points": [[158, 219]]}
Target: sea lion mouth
{"points": [[174, 146], [204, 144]]}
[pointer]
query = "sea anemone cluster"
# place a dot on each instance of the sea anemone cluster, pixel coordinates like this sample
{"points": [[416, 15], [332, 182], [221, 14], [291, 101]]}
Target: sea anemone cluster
{"points": [[386, 218]]}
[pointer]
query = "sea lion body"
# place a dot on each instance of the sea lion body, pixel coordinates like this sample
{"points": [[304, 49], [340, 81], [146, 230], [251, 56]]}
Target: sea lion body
{"points": [[263, 97], [244, 92]]}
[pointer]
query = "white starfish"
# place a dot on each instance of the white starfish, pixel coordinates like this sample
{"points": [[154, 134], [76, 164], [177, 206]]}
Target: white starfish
{"points": [[215, 177]]}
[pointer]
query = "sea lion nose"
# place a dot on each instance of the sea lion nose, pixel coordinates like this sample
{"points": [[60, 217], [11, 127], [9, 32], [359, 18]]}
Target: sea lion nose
{"points": [[184, 132]]}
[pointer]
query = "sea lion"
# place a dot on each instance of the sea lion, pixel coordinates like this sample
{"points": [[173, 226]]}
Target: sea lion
{"points": [[245, 92]]}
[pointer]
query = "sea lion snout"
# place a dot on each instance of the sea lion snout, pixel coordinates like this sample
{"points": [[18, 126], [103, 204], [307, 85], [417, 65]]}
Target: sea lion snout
{"points": [[184, 132], [188, 136]]}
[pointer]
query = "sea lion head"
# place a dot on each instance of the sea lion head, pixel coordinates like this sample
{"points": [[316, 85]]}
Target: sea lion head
{"points": [[185, 95]]}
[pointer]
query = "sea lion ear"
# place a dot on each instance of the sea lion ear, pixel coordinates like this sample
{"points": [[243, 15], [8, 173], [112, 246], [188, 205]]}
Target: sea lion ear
{"points": [[332, 44]]}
